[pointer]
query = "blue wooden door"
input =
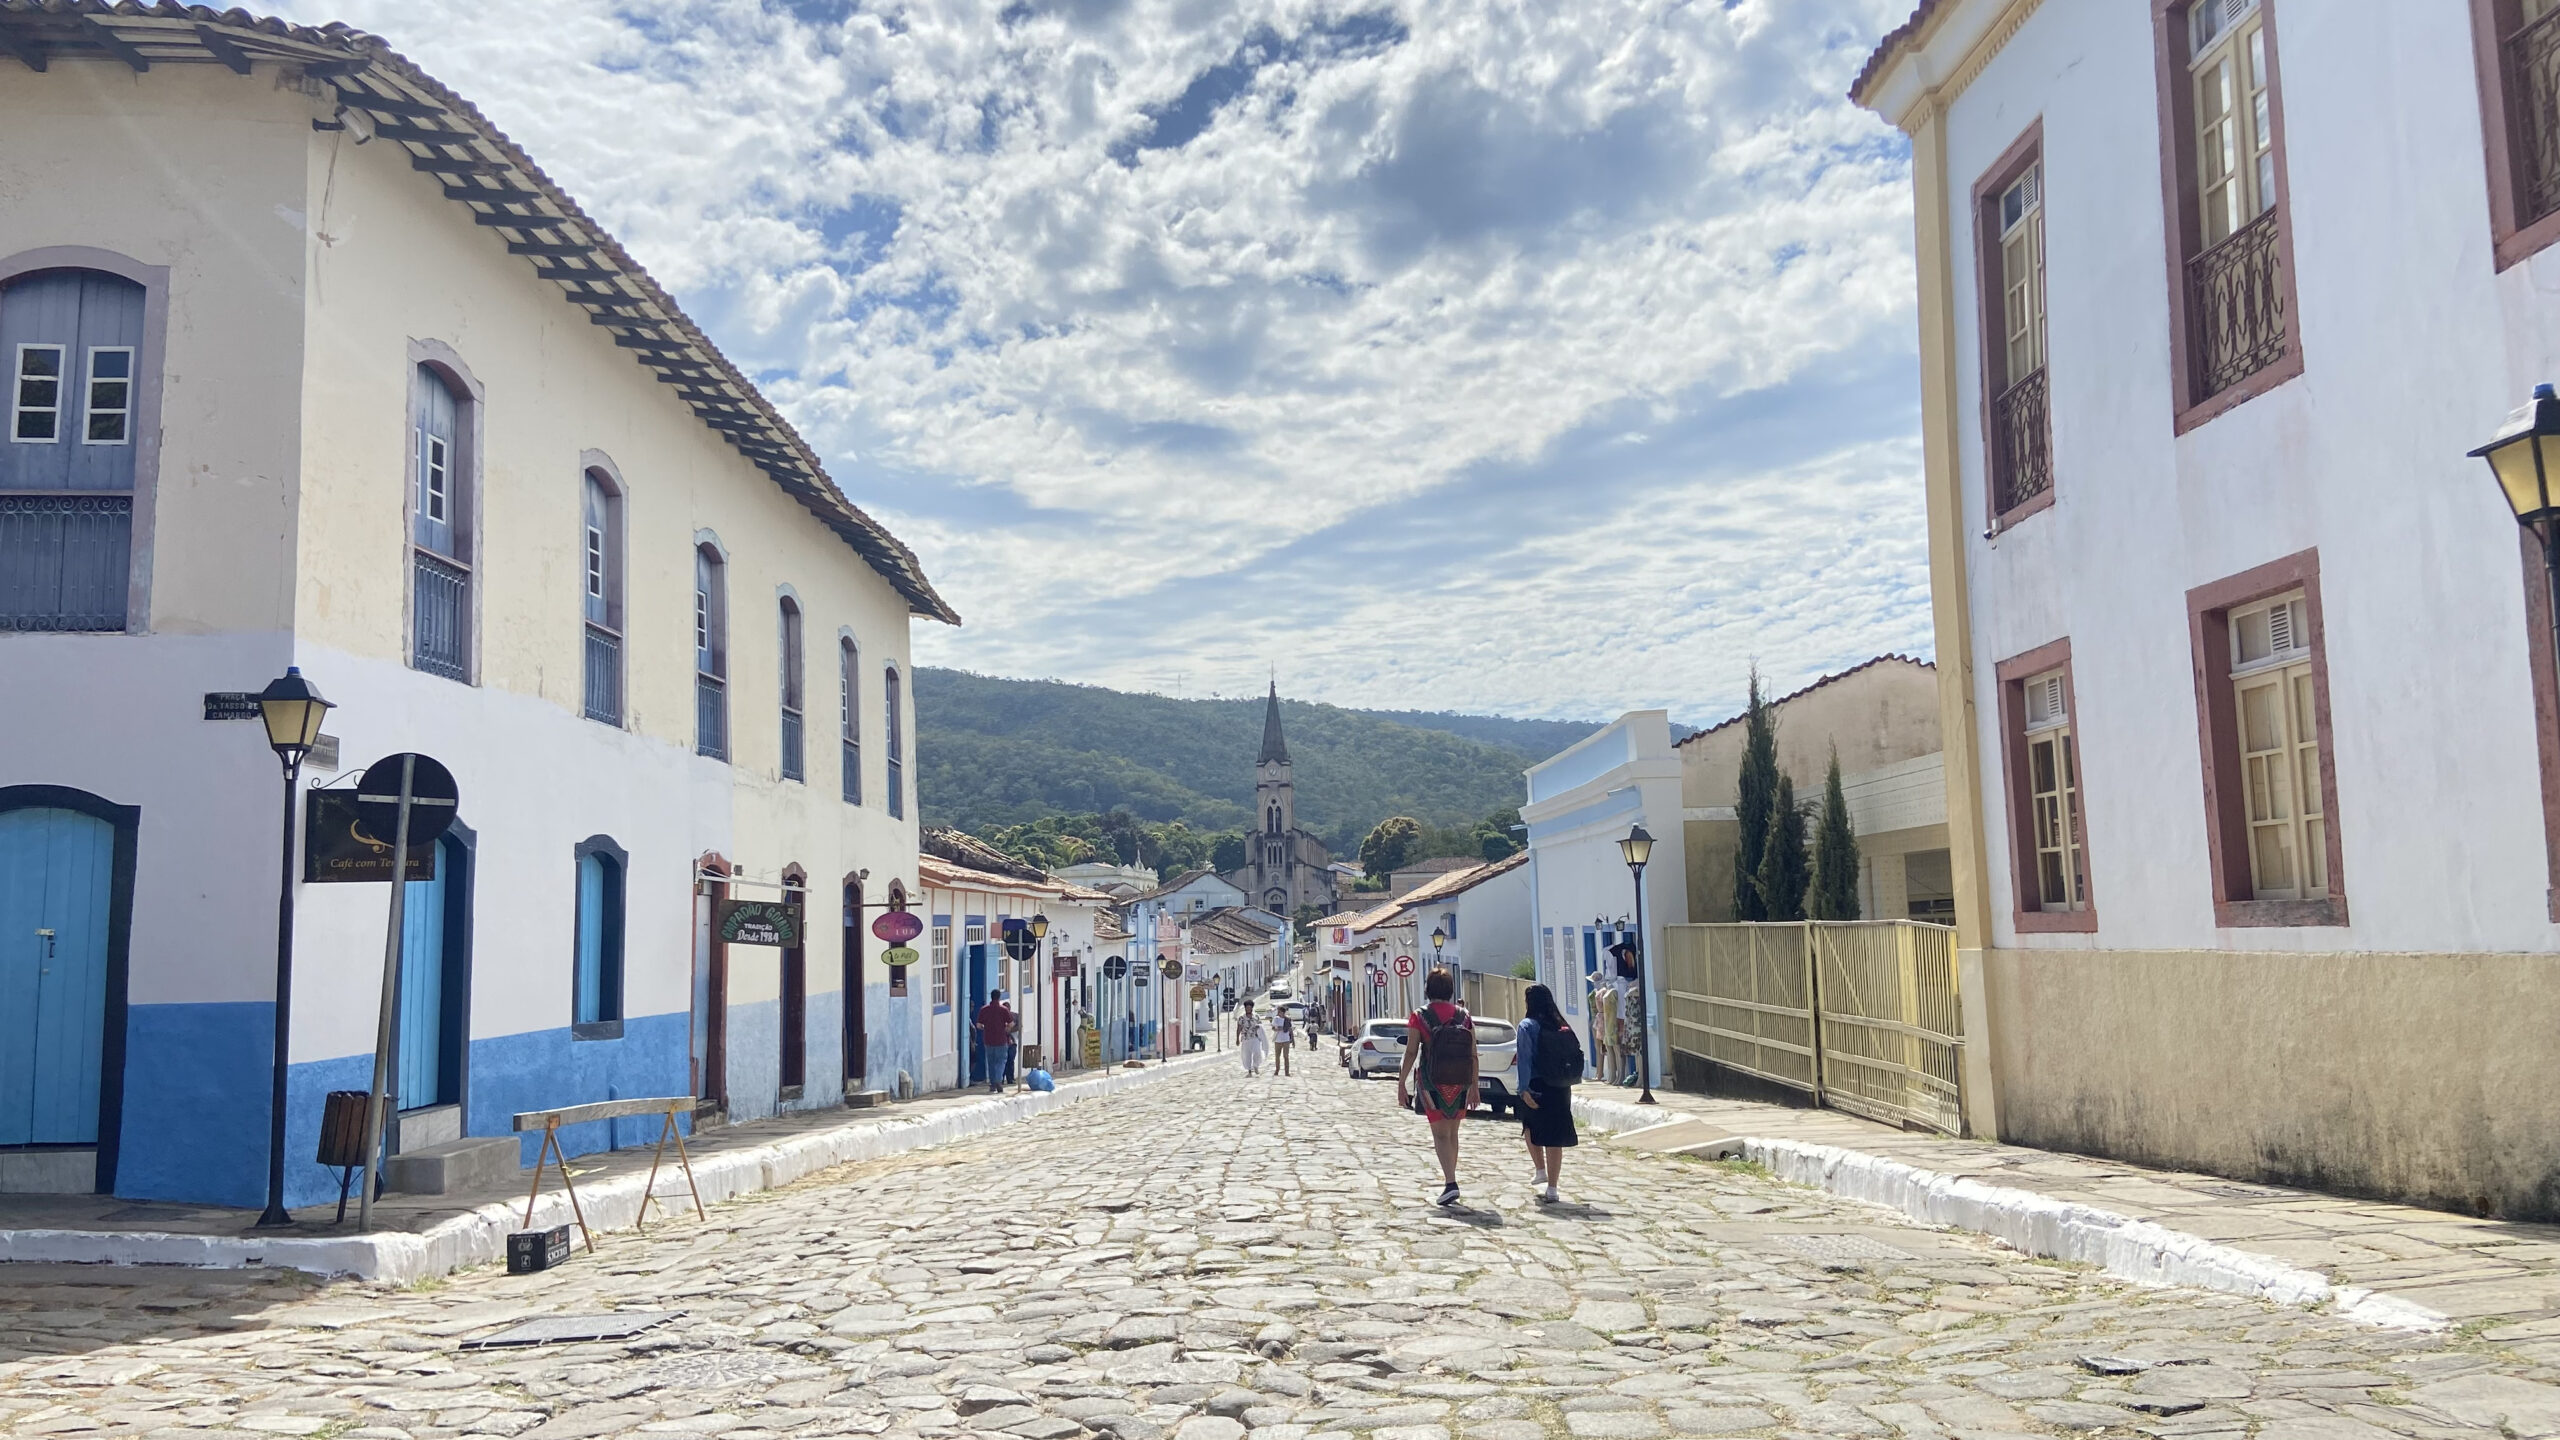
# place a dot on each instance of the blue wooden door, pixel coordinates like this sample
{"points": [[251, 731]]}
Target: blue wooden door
{"points": [[57, 869], [422, 989], [977, 980]]}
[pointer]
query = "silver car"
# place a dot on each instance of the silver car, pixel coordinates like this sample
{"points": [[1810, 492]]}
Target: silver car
{"points": [[1379, 1049]]}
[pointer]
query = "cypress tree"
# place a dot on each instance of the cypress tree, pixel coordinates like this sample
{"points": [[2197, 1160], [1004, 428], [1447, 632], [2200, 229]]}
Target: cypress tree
{"points": [[1755, 796], [1835, 853], [1782, 875]]}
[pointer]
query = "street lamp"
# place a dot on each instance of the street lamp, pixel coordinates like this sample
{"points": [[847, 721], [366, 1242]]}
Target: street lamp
{"points": [[293, 711], [2523, 455], [1638, 849], [1039, 931]]}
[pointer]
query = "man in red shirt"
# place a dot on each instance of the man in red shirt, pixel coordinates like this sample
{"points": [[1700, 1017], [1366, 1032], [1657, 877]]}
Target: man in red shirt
{"points": [[995, 1040]]}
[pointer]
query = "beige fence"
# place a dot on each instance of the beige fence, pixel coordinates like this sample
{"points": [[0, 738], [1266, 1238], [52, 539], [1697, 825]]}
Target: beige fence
{"points": [[1860, 1014], [1496, 997]]}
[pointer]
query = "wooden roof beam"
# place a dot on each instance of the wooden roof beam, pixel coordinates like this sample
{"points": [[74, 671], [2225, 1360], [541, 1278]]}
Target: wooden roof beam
{"points": [[390, 105], [550, 248], [520, 222], [116, 45], [492, 195], [438, 165], [221, 48], [422, 135], [29, 53]]}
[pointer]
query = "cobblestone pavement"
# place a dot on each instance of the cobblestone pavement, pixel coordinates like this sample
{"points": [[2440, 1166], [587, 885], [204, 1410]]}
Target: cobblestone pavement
{"points": [[1214, 1258]]}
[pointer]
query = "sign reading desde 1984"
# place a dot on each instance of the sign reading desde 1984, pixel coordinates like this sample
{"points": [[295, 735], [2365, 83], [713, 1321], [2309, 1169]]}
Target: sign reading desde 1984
{"points": [[759, 922]]}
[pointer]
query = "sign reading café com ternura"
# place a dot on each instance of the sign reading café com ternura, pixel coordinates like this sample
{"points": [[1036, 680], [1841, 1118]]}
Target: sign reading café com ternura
{"points": [[338, 847], [759, 922]]}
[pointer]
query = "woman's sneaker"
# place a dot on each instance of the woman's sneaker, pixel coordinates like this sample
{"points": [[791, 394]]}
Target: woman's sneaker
{"points": [[1550, 1197], [1448, 1196]]}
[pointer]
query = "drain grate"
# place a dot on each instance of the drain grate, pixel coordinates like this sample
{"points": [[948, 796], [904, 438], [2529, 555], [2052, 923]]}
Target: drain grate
{"points": [[719, 1370], [1838, 1249], [569, 1329]]}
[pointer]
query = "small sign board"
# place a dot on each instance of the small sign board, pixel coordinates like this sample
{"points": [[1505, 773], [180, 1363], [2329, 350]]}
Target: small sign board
{"points": [[1089, 1041], [339, 849], [1172, 969], [1404, 966], [1199, 992], [759, 922], [898, 958], [231, 705], [897, 926], [1062, 967]]}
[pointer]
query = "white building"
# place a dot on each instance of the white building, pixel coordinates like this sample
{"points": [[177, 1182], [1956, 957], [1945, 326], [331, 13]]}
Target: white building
{"points": [[311, 366], [1481, 914], [1582, 802], [2252, 766], [973, 896]]}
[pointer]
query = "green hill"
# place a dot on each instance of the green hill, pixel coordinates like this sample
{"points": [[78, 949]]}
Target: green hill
{"points": [[994, 752]]}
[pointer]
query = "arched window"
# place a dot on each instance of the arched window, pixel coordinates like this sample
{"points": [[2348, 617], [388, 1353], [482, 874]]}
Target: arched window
{"points": [[794, 762], [849, 708], [897, 750], [596, 989], [440, 529], [71, 340], [600, 593], [710, 653]]}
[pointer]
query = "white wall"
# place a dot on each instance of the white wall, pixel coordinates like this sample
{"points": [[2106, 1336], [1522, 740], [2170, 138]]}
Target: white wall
{"points": [[1588, 798]]}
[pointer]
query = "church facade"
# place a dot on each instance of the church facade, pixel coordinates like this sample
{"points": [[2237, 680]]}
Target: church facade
{"points": [[1285, 867]]}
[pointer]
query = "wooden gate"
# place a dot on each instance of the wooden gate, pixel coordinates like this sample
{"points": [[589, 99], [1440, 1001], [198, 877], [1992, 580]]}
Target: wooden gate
{"points": [[1862, 1015]]}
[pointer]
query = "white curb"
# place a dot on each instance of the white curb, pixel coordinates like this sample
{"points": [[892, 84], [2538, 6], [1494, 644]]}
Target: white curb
{"points": [[2129, 1249], [478, 1236]]}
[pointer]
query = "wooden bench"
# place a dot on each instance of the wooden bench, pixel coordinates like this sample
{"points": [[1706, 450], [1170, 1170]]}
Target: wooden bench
{"points": [[668, 1107]]}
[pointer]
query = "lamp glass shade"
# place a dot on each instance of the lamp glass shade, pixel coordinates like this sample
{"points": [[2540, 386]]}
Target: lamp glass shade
{"points": [[293, 710], [1039, 927], [1438, 939], [2531, 433], [1637, 847]]}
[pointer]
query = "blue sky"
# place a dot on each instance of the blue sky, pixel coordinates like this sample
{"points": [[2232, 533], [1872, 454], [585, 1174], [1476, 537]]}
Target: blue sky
{"points": [[1499, 355]]}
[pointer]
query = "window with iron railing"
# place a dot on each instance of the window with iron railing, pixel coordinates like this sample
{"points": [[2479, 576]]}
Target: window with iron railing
{"points": [[2530, 58], [440, 498], [604, 675], [442, 602], [2021, 432], [71, 343], [601, 596], [2233, 272]]}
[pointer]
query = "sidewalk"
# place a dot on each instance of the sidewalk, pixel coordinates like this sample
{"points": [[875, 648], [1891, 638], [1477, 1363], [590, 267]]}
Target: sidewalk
{"points": [[417, 1237], [2375, 1261]]}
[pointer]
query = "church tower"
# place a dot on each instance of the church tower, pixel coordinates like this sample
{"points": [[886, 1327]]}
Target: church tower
{"points": [[1275, 882]]}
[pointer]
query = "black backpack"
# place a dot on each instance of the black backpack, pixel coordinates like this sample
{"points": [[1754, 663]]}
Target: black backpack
{"points": [[1559, 1058], [1449, 1047]]}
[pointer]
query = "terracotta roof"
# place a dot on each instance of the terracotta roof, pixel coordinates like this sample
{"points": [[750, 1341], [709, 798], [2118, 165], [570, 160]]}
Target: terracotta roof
{"points": [[1177, 882], [1438, 864], [962, 848], [945, 875], [1894, 40], [1343, 917], [1227, 929], [453, 145], [1863, 665], [1458, 882], [1386, 914]]}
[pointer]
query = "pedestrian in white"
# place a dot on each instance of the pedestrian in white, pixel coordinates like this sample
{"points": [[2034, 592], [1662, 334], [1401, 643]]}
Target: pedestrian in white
{"points": [[1250, 1040]]}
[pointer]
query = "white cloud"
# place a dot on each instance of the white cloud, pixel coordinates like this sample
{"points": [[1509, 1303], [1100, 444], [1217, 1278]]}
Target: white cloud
{"points": [[1341, 381]]}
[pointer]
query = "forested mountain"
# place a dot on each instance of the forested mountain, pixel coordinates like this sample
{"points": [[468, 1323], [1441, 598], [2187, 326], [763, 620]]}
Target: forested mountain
{"points": [[996, 752]]}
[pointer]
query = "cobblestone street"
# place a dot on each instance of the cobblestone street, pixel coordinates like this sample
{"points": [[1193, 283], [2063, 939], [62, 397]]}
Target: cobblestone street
{"points": [[1215, 1257]]}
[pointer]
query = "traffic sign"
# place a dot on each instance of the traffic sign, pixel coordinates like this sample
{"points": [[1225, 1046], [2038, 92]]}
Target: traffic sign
{"points": [[433, 801], [1378, 978], [1115, 968], [1404, 966], [897, 926], [1019, 943]]}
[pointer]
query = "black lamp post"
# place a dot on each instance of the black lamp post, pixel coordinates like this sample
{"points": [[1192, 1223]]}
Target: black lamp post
{"points": [[1638, 849], [1037, 984], [2523, 455], [293, 711]]}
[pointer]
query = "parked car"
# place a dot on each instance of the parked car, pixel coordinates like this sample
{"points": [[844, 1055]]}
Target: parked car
{"points": [[1379, 1050]]}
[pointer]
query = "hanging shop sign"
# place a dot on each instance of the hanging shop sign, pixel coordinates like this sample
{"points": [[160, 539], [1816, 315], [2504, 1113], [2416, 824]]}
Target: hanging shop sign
{"points": [[339, 849], [1172, 968], [1062, 967], [898, 958], [897, 927], [759, 922], [1199, 992]]}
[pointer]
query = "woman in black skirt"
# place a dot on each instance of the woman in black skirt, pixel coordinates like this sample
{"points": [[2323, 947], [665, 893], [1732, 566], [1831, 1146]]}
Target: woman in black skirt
{"points": [[1550, 1063]]}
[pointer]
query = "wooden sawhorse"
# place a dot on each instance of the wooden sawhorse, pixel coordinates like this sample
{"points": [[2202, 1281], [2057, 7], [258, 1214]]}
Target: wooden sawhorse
{"points": [[667, 1107]]}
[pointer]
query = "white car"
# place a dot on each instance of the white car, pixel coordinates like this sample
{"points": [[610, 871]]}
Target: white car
{"points": [[1379, 1049]]}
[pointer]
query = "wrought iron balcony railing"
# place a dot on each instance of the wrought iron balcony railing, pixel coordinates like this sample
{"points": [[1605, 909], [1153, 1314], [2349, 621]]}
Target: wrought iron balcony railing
{"points": [[604, 675], [710, 716], [2532, 59], [2235, 305], [442, 600], [2021, 443], [64, 560]]}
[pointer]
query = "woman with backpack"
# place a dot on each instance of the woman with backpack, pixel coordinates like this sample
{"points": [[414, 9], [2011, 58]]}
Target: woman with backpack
{"points": [[1440, 1043], [1550, 1064]]}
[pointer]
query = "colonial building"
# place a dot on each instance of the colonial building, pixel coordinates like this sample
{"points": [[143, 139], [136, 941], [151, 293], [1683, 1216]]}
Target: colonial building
{"points": [[1285, 868], [310, 365], [974, 896], [2252, 733]]}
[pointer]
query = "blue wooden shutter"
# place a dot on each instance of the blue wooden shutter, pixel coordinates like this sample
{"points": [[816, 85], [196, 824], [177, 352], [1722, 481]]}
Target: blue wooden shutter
{"points": [[436, 486], [71, 342], [591, 937]]}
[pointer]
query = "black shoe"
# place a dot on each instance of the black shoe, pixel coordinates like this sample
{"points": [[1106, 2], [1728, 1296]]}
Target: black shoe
{"points": [[1448, 1197]]}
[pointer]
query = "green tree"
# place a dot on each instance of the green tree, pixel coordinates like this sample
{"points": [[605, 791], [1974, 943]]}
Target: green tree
{"points": [[1227, 854], [1393, 844], [1835, 853], [1756, 798], [1782, 874]]}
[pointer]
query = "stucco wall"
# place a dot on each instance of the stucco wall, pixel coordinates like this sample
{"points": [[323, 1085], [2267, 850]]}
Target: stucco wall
{"points": [[2418, 1077]]}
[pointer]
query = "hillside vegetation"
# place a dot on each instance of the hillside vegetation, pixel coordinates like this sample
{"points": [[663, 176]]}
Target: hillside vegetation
{"points": [[994, 753]]}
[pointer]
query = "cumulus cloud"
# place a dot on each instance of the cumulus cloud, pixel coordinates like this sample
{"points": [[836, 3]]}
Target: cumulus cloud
{"points": [[1483, 354]]}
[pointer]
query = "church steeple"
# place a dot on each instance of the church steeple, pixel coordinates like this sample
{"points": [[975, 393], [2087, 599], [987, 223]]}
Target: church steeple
{"points": [[1274, 749]]}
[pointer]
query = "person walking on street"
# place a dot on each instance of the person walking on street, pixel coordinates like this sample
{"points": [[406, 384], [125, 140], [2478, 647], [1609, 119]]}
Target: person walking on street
{"points": [[1550, 1064], [1249, 1040], [1631, 1027], [995, 1040], [1284, 1038], [1440, 1053]]}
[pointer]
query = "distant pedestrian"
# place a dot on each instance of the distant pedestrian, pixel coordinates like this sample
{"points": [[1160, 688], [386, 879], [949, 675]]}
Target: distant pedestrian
{"points": [[1631, 1027], [1250, 1039], [1440, 1048], [1284, 1038], [995, 1040], [1550, 1064]]}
